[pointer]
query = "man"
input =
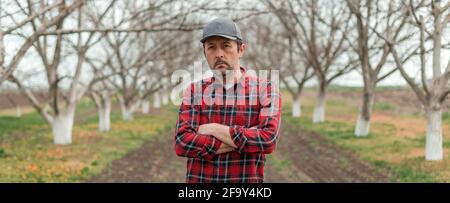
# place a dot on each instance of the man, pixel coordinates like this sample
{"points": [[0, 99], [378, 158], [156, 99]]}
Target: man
{"points": [[227, 132]]}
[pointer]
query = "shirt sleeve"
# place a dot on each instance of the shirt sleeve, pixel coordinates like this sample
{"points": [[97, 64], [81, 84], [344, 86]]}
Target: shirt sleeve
{"points": [[263, 139], [189, 143]]}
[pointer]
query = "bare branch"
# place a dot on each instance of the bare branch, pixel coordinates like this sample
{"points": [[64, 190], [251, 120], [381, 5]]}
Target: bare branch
{"points": [[409, 80]]}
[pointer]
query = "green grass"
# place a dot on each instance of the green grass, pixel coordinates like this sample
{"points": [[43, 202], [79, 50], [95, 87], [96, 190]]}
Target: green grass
{"points": [[280, 164], [29, 155], [339, 89], [336, 88], [374, 145], [380, 106], [10, 124], [446, 116], [405, 173], [381, 147]]}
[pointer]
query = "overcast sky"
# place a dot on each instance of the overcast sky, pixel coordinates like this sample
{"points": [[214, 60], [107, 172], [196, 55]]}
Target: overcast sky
{"points": [[32, 64]]}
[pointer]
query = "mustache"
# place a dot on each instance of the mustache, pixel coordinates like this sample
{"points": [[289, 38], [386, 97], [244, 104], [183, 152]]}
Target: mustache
{"points": [[220, 62]]}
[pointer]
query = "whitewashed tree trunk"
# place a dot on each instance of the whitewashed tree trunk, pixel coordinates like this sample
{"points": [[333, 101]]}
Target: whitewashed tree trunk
{"points": [[363, 123], [104, 115], [62, 125], [319, 109], [157, 100], [128, 111], [103, 103], [362, 126], [17, 106], [165, 99], [127, 114], [433, 150], [145, 107], [296, 108], [18, 111]]}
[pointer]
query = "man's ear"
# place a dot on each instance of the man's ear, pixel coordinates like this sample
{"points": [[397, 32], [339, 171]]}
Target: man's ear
{"points": [[204, 52], [242, 49]]}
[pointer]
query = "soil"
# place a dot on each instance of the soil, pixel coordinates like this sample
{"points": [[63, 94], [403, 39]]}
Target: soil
{"points": [[301, 156]]}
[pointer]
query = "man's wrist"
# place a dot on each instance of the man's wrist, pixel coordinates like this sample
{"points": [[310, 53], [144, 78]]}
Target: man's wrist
{"points": [[222, 130]]}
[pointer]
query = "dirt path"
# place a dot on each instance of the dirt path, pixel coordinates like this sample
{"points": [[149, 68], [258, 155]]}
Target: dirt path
{"points": [[299, 157], [308, 157], [155, 161]]}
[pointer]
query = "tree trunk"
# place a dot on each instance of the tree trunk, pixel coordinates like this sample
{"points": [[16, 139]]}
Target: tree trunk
{"points": [[165, 99], [62, 125], [17, 106], [127, 114], [157, 100], [319, 109], [128, 111], [104, 115], [145, 107], [433, 151], [296, 107], [18, 111], [363, 123]]}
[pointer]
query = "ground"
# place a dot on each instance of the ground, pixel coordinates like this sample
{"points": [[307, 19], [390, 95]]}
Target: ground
{"points": [[142, 150], [314, 160]]}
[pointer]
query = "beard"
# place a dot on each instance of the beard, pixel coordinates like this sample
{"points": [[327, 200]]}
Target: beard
{"points": [[222, 66], [223, 71]]}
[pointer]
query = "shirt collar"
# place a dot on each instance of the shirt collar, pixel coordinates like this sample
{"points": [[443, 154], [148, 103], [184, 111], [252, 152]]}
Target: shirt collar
{"points": [[241, 81]]}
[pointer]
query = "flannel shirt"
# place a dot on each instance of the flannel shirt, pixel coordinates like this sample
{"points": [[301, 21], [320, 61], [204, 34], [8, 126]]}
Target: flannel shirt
{"points": [[251, 110]]}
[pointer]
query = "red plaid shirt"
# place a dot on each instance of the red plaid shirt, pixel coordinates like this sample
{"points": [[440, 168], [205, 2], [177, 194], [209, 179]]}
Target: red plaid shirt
{"points": [[254, 120]]}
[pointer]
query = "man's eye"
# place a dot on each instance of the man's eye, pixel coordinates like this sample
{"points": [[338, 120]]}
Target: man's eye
{"points": [[227, 45]]}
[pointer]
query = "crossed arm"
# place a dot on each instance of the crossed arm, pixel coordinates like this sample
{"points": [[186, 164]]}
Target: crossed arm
{"points": [[207, 140], [222, 133]]}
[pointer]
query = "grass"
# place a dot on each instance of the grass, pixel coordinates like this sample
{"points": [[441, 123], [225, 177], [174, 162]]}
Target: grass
{"points": [[385, 147], [381, 106], [27, 152], [279, 163], [446, 117], [12, 124], [372, 148]]}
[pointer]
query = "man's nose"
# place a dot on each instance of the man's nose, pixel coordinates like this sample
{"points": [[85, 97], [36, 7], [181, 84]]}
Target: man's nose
{"points": [[219, 53]]}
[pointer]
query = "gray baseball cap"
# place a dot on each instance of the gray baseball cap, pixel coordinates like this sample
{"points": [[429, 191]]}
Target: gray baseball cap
{"points": [[222, 27]]}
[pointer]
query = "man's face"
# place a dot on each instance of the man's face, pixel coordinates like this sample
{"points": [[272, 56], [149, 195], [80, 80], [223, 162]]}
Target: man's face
{"points": [[223, 54]]}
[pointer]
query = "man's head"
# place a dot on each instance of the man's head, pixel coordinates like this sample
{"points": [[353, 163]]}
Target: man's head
{"points": [[223, 45]]}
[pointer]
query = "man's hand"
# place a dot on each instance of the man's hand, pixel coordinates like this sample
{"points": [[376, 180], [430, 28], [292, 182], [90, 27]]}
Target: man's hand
{"points": [[208, 129], [221, 132], [224, 148]]}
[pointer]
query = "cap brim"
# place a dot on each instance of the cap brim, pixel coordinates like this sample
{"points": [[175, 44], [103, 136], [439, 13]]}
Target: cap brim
{"points": [[217, 35]]}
